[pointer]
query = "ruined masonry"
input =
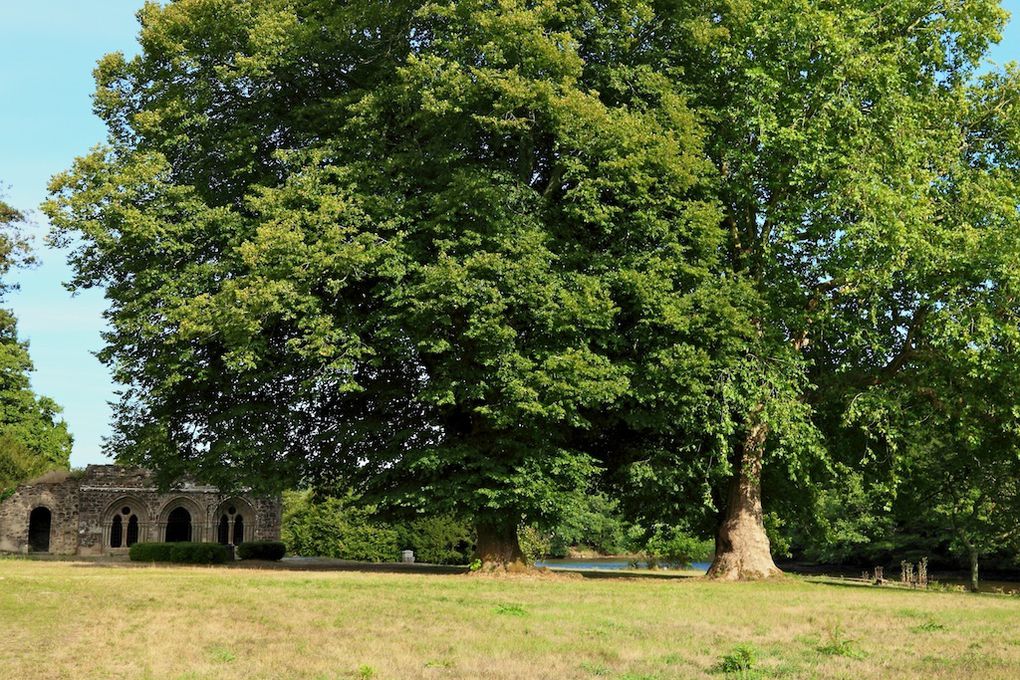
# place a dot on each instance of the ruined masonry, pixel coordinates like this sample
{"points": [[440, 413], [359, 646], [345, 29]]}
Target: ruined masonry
{"points": [[107, 508]]}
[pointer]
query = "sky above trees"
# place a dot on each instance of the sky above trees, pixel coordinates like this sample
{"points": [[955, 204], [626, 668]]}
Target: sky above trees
{"points": [[48, 53]]}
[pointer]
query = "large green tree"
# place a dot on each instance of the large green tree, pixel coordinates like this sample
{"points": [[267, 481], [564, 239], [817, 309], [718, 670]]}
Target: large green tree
{"points": [[423, 248], [32, 438], [466, 254], [869, 186]]}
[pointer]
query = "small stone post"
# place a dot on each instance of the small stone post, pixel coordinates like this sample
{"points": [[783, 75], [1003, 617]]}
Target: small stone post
{"points": [[907, 573]]}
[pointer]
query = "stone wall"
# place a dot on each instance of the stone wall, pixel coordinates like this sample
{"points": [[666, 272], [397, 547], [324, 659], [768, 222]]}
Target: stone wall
{"points": [[56, 491], [84, 508]]}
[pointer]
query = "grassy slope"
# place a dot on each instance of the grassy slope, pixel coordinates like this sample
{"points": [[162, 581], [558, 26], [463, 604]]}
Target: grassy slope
{"points": [[62, 620]]}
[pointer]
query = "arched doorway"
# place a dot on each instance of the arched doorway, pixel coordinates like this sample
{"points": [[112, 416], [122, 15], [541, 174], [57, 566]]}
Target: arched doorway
{"points": [[39, 523], [178, 526]]}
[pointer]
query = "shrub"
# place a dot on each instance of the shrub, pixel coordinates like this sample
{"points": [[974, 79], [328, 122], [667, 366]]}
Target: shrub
{"points": [[336, 527], [262, 550], [150, 552], [534, 543], [198, 553], [437, 540], [179, 553], [742, 658]]}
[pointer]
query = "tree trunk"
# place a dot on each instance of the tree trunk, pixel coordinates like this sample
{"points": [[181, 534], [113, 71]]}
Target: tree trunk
{"points": [[973, 554], [498, 547], [742, 549]]}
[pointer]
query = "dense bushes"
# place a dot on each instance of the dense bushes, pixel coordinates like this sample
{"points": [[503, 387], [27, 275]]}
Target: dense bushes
{"points": [[150, 552], [179, 553], [199, 553], [346, 528], [437, 540], [596, 524], [336, 527], [673, 548], [262, 550], [660, 546]]}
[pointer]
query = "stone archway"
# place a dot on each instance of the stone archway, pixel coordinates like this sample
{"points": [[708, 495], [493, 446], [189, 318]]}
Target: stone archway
{"points": [[40, 521], [178, 526], [181, 519]]}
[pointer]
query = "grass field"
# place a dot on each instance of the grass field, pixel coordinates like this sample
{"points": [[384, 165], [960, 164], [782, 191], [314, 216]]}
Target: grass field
{"points": [[66, 620]]}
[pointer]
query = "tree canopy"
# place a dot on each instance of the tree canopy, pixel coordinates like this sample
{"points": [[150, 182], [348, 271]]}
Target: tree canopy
{"points": [[473, 255], [32, 438]]}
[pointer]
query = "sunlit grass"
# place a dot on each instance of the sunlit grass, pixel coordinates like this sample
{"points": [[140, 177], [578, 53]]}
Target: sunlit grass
{"points": [[61, 620]]}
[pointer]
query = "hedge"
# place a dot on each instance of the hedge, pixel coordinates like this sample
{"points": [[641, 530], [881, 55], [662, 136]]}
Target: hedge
{"points": [[179, 553], [262, 550], [150, 552]]}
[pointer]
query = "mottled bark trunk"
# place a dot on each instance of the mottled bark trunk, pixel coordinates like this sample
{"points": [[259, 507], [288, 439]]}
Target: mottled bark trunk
{"points": [[497, 546], [742, 549], [973, 554]]}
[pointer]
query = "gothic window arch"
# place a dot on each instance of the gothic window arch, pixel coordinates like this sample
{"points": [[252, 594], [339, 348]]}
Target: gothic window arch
{"points": [[235, 522], [124, 523]]}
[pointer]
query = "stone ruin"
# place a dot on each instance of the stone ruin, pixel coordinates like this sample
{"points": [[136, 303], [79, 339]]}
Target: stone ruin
{"points": [[108, 508]]}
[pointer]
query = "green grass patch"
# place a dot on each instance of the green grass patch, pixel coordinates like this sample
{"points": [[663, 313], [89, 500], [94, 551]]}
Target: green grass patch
{"points": [[510, 610], [63, 620]]}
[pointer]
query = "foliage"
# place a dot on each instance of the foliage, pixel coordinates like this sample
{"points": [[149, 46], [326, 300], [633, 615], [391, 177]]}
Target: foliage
{"points": [[465, 257], [18, 463], [534, 543], [150, 552], [336, 527], [597, 524], [430, 251], [437, 540], [847, 519], [198, 553], [741, 658], [32, 439], [179, 553], [672, 547], [838, 644], [510, 609], [349, 528], [262, 550]]}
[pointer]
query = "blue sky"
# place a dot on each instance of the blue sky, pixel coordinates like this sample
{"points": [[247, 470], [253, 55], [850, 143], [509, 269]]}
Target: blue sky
{"points": [[47, 51]]}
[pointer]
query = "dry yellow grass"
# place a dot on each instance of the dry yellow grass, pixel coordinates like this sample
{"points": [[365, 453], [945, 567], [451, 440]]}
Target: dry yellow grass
{"points": [[64, 620]]}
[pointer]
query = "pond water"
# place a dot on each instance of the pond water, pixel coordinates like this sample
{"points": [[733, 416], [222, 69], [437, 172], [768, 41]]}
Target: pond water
{"points": [[604, 564]]}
